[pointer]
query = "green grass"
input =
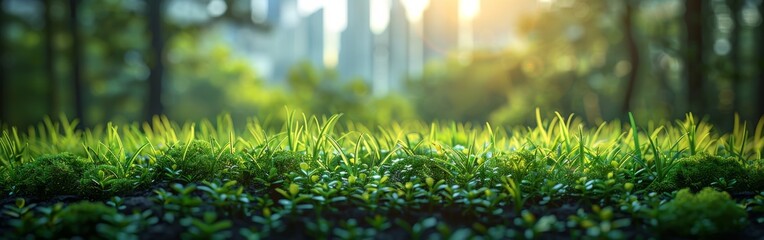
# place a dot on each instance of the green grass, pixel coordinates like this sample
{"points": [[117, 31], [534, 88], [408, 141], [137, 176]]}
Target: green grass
{"points": [[345, 180]]}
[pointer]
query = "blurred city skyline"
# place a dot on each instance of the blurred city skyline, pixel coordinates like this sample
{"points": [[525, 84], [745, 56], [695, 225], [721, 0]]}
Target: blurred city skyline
{"points": [[381, 41], [381, 60]]}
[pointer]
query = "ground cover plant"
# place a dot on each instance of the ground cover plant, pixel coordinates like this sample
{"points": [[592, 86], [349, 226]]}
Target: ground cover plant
{"points": [[325, 178]]}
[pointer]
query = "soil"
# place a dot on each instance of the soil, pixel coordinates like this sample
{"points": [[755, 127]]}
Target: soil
{"points": [[295, 228]]}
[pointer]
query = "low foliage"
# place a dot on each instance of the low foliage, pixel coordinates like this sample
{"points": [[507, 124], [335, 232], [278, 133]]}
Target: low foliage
{"points": [[318, 177], [707, 214], [409, 168], [81, 218]]}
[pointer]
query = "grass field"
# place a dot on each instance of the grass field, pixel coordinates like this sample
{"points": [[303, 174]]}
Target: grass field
{"points": [[325, 178]]}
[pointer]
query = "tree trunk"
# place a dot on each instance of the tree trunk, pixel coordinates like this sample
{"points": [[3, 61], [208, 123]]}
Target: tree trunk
{"points": [[693, 56], [49, 58], [154, 104], [3, 79], [76, 56], [735, 6], [760, 64], [633, 54]]}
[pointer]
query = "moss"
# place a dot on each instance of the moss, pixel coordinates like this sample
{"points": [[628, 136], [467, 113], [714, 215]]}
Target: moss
{"points": [[196, 161], [285, 161], [515, 164], [756, 174], [421, 167], [663, 186], [700, 171], [708, 214], [81, 218], [100, 182], [270, 168], [49, 175]]}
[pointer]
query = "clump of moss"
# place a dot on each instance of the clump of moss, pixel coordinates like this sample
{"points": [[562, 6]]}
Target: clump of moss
{"points": [[81, 218], [701, 171], [756, 174], [515, 164], [707, 214], [195, 161], [285, 161], [100, 182], [271, 167], [49, 175], [505, 165], [421, 167]]}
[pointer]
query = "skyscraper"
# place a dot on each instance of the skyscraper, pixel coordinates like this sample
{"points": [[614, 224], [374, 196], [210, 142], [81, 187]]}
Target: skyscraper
{"points": [[355, 58], [398, 45]]}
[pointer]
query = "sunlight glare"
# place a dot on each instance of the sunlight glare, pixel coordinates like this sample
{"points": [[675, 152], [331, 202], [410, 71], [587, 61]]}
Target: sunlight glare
{"points": [[379, 15], [335, 22], [415, 9], [468, 9], [335, 15], [307, 7]]}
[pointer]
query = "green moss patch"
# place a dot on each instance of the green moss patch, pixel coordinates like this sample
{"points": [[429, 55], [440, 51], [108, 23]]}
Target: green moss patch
{"points": [[707, 214], [194, 161], [49, 175], [706, 171]]}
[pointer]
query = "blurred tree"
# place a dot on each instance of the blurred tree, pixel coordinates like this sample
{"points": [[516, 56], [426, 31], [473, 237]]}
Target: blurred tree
{"points": [[737, 25], [76, 63], [451, 90], [3, 84], [760, 64], [694, 67], [49, 56], [628, 29], [154, 106]]}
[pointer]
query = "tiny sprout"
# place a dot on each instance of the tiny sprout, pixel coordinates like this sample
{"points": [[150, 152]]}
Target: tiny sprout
{"points": [[614, 164], [267, 212], [352, 179], [314, 178], [352, 160], [304, 166], [586, 223], [362, 176], [488, 193], [628, 186], [429, 181], [384, 179], [480, 161], [610, 175], [365, 196], [528, 217], [294, 189], [596, 208], [409, 185], [606, 214]]}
